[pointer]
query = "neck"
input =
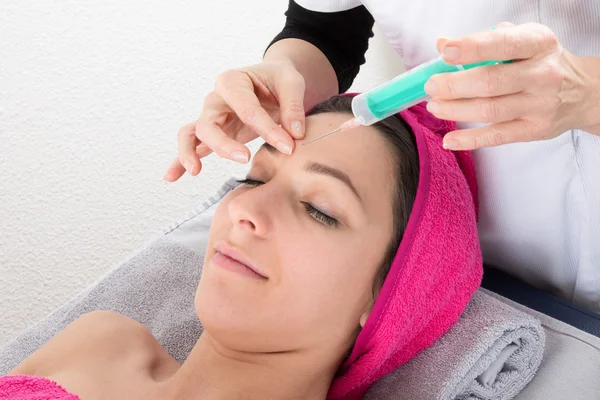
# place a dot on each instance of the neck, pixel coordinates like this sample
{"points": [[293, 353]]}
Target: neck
{"points": [[212, 372]]}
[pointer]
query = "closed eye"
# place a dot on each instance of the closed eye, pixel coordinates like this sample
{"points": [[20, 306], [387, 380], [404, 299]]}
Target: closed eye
{"points": [[314, 212], [320, 216], [249, 182]]}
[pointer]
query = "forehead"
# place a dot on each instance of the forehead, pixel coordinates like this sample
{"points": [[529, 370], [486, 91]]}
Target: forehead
{"points": [[362, 152], [360, 143], [319, 124]]}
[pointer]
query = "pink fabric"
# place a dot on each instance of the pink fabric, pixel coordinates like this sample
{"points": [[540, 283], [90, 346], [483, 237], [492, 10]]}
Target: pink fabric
{"points": [[436, 270], [23, 387]]}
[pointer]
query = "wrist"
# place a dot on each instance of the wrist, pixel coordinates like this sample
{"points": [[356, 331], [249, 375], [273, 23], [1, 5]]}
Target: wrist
{"points": [[319, 75], [588, 114]]}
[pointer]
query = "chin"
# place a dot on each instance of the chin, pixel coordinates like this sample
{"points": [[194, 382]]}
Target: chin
{"points": [[238, 324], [225, 318]]}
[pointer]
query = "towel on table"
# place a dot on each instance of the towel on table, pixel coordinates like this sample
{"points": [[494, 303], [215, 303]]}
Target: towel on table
{"points": [[22, 387], [156, 286], [492, 352]]}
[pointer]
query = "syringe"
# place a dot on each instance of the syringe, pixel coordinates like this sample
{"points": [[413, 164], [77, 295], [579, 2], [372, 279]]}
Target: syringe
{"points": [[399, 93]]}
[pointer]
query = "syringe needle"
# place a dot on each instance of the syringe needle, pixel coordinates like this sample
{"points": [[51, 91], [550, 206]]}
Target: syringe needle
{"points": [[322, 136], [352, 123]]}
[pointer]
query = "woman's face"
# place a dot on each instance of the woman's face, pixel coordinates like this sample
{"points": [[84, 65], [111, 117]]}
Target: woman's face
{"points": [[315, 225]]}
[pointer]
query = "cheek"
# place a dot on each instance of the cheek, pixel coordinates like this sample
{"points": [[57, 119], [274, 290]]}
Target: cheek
{"points": [[342, 258], [330, 277], [220, 223]]}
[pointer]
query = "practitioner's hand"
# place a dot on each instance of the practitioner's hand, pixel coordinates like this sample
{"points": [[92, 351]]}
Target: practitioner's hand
{"points": [[545, 92], [246, 103]]}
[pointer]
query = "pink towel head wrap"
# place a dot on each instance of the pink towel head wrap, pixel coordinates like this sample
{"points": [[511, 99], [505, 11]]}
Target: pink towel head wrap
{"points": [[436, 270]]}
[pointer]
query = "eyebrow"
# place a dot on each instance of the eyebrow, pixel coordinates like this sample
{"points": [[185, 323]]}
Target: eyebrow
{"points": [[322, 169], [269, 148]]}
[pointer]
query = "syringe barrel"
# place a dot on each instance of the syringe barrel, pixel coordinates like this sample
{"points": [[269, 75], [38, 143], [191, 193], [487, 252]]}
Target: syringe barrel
{"points": [[399, 93], [404, 91]]}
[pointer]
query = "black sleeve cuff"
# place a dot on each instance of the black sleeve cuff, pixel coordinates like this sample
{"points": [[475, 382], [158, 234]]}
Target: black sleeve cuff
{"points": [[342, 36]]}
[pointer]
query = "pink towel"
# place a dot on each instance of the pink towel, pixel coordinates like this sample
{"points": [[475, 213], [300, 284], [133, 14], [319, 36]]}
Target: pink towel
{"points": [[23, 387], [437, 268]]}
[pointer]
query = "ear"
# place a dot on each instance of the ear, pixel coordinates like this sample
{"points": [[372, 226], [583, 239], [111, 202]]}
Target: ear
{"points": [[363, 318], [365, 315]]}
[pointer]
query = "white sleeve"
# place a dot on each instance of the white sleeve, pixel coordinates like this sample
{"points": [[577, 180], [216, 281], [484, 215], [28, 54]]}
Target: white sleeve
{"points": [[328, 5]]}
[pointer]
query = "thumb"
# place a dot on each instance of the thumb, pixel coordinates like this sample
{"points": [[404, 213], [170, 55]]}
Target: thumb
{"points": [[290, 88]]}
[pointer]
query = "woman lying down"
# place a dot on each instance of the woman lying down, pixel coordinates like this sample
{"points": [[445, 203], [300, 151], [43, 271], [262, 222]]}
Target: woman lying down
{"points": [[325, 270]]}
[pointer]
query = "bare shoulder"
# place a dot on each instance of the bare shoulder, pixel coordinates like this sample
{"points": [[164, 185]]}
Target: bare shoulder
{"points": [[99, 337]]}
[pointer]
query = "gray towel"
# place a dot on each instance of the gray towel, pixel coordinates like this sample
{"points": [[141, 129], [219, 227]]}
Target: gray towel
{"points": [[155, 287], [492, 342], [492, 352]]}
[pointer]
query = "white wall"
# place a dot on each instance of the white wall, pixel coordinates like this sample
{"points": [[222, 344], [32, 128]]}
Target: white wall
{"points": [[91, 97]]}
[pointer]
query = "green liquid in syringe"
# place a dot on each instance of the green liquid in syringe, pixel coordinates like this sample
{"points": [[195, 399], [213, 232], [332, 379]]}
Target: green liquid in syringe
{"points": [[408, 87], [405, 88]]}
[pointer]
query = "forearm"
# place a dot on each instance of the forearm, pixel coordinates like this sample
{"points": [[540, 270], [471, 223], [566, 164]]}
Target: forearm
{"points": [[319, 75], [326, 48]]}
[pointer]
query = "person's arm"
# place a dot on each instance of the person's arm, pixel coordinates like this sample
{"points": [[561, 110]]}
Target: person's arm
{"points": [[316, 56], [326, 48]]}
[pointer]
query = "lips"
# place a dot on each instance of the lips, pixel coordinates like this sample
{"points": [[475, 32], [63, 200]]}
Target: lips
{"points": [[234, 260]]}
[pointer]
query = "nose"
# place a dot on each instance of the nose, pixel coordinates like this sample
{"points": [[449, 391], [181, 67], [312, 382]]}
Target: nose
{"points": [[251, 211]]}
